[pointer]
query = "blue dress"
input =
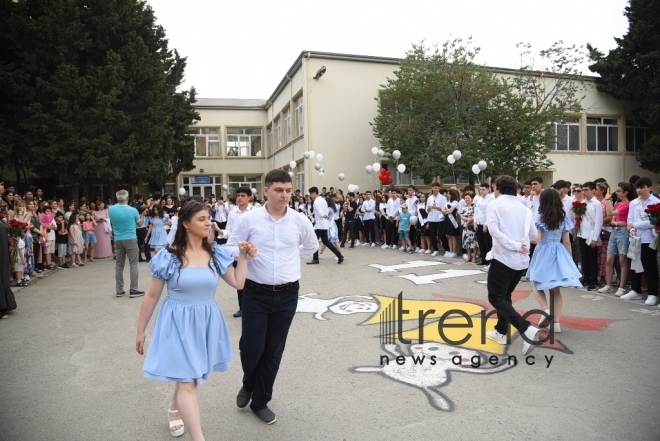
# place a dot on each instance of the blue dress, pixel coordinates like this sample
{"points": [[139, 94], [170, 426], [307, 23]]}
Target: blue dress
{"points": [[333, 233], [190, 337], [551, 265], [158, 237]]}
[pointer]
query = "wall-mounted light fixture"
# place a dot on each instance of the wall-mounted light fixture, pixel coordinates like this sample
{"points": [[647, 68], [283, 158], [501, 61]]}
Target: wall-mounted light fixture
{"points": [[319, 73]]}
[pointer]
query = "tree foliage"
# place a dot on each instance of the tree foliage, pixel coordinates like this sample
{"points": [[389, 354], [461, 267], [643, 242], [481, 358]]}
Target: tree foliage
{"points": [[631, 71], [89, 93], [440, 101]]}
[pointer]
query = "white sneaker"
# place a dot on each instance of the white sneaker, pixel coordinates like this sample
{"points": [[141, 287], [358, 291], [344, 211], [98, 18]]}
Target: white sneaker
{"points": [[418, 249], [620, 292], [428, 252], [496, 337], [487, 267], [606, 289], [447, 253], [453, 255], [364, 244], [385, 246], [465, 256], [532, 334], [651, 300], [557, 328], [402, 248], [632, 295], [394, 247], [373, 244], [435, 253]]}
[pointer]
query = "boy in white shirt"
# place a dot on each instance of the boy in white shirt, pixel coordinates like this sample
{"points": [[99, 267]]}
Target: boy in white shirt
{"points": [[589, 234]]}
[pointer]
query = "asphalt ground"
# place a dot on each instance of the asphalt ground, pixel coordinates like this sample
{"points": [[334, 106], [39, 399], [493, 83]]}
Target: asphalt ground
{"points": [[69, 369]]}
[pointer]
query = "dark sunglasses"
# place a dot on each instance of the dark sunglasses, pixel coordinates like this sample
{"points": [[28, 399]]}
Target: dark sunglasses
{"points": [[577, 191]]}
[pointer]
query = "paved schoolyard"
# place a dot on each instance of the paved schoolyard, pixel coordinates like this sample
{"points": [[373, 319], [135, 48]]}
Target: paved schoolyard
{"points": [[70, 372]]}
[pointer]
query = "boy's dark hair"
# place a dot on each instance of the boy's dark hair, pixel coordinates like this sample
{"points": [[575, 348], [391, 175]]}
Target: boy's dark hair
{"points": [[313, 190], [277, 175], [528, 182], [443, 191], [561, 184], [507, 185], [246, 191], [468, 188], [643, 182], [137, 196], [590, 185], [350, 193], [436, 184], [537, 179], [633, 179], [413, 187], [485, 185]]}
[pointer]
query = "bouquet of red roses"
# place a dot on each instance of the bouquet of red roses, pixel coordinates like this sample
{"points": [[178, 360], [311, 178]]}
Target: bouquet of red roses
{"points": [[654, 217], [17, 231], [579, 208]]}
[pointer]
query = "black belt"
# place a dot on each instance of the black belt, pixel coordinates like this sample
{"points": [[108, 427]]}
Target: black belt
{"points": [[282, 287]]}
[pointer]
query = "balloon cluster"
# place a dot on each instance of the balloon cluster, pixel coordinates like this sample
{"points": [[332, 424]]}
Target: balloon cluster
{"points": [[317, 166], [385, 176], [479, 167]]}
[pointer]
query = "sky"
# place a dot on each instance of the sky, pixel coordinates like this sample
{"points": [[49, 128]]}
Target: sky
{"points": [[242, 49]]}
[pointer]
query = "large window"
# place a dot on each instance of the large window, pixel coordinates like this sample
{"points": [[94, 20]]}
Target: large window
{"points": [[203, 186], [287, 125], [269, 131], [461, 180], [278, 134], [300, 171], [207, 141], [566, 135], [243, 142], [249, 181], [299, 116], [635, 136], [602, 135]]}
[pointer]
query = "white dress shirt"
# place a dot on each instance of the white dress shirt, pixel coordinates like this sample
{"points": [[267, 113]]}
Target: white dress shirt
{"points": [[592, 221], [393, 206], [232, 218], [435, 215], [220, 212], [280, 244], [320, 214], [369, 208], [505, 219], [480, 204], [567, 202], [412, 205], [641, 224]]}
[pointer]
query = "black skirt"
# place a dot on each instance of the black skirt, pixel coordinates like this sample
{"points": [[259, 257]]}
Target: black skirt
{"points": [[450, 229]]}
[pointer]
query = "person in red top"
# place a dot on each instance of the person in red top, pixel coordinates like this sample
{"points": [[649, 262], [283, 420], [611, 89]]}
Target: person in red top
{"points": [[619, 240]]}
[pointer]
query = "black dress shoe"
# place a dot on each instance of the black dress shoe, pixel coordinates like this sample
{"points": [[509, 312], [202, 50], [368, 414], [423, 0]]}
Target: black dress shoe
{"points": [[313, 262], [352, 246], [266, 415], [239, 313], [141, 260], [243, 398], [133, 294], [340, 259], [482, 263]]}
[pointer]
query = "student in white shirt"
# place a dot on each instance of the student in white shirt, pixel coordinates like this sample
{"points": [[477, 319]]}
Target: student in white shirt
{"points": [[393, 205], [412, 202], [589, 235], [535, 196], [270, 296], [510, 224], [369, 220], [640, 226], [435, 203], [322, 225], [483, 236]]}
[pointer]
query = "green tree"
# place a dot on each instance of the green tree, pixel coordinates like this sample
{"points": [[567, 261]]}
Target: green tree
{"points": [[440, 101], [631, 72], [91, 92]]}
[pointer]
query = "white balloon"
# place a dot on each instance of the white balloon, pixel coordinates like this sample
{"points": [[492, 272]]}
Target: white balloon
{"points": [[311, 153], [356, 188], [291, 174], [321, 174], [319, 157], [450, 159], [351, 188], [321, 170], [475, 169], [413, 220], [225, 187], [306, 155], [292, 164], [254, 191], [401, 168], [457, 154], [317, 166], [381, 153], [369, 169], [376, 166], [182, 191], [482, 165], [341, 176], [374, 150], [396, 154]]}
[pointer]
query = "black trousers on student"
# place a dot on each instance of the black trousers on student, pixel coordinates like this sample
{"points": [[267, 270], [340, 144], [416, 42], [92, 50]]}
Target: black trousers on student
{"points": [[589, 262], [485, 242], [349, 229], [413, 235], [437, 232], [141, 235], [370, 232], [650, 263], [340, 228], [323, 235], [502, 280], [392, 233]]}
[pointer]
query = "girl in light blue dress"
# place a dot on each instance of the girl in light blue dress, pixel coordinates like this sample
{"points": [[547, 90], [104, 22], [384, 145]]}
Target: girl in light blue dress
{"points": [[552, 266], [190, 337], [157, 235]]}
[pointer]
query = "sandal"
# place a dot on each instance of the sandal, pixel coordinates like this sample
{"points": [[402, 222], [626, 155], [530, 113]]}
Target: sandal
{"points": [[175, 423]]}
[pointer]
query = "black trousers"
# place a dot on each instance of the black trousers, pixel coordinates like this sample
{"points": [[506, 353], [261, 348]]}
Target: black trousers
{"points": [[502, 280], [141, 235], [349, 229], [589, 263], [370, 231], [649, 259], [340, 228], [392, 233], [413, 235], [323, 235], [485, 242], [437, 232]]}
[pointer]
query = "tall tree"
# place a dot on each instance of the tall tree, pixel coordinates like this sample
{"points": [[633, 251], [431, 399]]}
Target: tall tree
{"points": [[631, 71], [92, 96]]}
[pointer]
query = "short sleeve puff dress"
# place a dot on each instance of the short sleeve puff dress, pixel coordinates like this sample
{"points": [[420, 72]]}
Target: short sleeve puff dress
{"points": [[190, 337]]}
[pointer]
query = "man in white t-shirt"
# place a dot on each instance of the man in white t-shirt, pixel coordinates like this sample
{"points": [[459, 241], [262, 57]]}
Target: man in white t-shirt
{"points": [[434, 206], [322, 225], [369, 219]]}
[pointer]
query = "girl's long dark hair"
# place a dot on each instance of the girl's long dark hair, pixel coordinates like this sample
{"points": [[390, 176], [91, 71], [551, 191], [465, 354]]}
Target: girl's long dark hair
{"points": [[551, 210], [180, 243]]}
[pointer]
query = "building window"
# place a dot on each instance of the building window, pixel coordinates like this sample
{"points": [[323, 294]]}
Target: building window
{"points": [[287, 125], [566, 135], [203, 186], [602, 135], [269, 131], [461, 180], [249, 181], [206, 141], [299, 116], [243, 142], [300, 172], [635, 136], [278, 134]]}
